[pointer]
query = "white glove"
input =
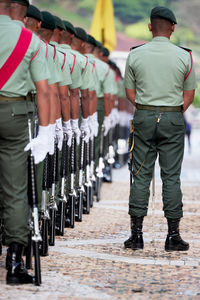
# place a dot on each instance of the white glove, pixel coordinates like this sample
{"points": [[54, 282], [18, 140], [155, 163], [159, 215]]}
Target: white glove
{"points": [[76, 130], [115, 117], [67, 129], [52, 134], [95, 124], [85, 127], [122, 118], [39, 145], [59, 133], [107, 124]]}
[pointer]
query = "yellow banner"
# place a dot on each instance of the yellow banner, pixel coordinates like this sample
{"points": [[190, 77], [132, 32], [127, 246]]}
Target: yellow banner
{"points": [[103, 26]]}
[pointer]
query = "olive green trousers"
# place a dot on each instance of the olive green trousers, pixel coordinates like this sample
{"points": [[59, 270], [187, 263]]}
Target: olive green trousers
{"points": [[13, 169], [168, 145]]}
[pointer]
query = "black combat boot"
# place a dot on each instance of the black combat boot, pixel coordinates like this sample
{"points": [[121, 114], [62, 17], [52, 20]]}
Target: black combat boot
{"points": [[135, 241], [17, 273], [174, 241]]}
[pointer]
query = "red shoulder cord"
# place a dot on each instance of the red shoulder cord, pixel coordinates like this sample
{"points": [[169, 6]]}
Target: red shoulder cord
{"points": [[191, 65], [73, 64]]}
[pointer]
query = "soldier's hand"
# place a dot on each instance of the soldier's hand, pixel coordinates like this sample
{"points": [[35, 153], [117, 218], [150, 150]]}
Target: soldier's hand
{"points": [[59, 133], [67, 129], [107, 124], [52, 134], [94, 124], [115, 117], [76, 130], [85, 127], [39, 145]]}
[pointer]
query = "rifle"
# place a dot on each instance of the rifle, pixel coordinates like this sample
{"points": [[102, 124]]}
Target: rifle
{"points": [[70, 206], [62, 198], [88, 184], [109, 157], [81, 190], [52, 203], [99, 174], [44, 208], [92, 165], [33, 201], [131, 145], [1, 235]]}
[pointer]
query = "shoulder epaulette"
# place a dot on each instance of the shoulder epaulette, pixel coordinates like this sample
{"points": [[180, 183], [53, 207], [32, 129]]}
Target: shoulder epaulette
{"points": [[136, 47], [186, 49]]}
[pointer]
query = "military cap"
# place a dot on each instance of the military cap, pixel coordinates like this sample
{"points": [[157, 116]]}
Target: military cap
{"points": [[163, 13], [69, 27], [22, 2], [59, 23], [48, 21], [99, 44], [81, 34], [105, 51], [34, 12], [91, 40]]}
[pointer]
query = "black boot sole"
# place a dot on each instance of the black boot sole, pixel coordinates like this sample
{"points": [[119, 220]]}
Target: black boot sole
{"points": [[176, 248], [18, 281]]}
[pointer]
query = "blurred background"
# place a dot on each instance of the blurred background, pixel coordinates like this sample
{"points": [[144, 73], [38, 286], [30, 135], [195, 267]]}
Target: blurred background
{"points": [[131, 18]]}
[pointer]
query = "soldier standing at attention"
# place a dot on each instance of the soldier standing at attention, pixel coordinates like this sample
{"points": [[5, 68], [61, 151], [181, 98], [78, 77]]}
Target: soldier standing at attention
{"points": [[19, 55], [160, 82]]}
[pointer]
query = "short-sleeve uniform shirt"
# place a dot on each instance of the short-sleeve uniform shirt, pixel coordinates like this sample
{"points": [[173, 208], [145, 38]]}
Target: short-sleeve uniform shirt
{"points": [[33, 61], [160, 72]]}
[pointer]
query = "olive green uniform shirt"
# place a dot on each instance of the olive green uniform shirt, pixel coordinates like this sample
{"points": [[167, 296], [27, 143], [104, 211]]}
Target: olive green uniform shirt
{"points": [[158, 71], [85, 70], [75, 69], [63, 66], [104, 83], [93, 72], [17, 84]]}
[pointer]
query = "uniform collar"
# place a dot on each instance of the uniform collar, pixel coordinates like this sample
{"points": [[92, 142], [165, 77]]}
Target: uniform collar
{"points": [[160, 39], [90, 55], [20, 23], [65, 46], [53, 43], [5, 18]]}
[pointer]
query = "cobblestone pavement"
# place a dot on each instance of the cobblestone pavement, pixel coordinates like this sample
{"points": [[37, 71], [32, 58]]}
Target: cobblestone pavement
{"points": [[89, 262]]}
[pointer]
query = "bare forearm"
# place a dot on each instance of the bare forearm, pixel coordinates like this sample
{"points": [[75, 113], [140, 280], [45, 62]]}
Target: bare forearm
{"points": [[106, 105], [188, 97], [130, 94], [54, 101], [64, 103], [85, 103], [74, 103], [43, 102], [93, 102]]}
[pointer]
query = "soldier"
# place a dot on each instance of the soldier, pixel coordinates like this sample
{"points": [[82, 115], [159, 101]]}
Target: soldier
{"points": [[19, 54], [160, 82]]}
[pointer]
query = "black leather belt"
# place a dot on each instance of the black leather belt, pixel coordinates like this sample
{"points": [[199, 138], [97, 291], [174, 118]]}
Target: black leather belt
{"points": [[159, 108]]}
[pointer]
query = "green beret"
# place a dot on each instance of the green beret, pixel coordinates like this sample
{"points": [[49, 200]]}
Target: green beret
{"points": [[99, 44], [22, 2], [69, 27], [163, 13], [59, 23], [48, 21], [105, 51], [34, 12], [81, 34], [91, 40]]}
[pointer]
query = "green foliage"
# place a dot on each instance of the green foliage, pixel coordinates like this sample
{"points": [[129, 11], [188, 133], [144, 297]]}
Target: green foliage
{"points": [[139, 31], [88, 5], [133, 11], [196, 101]]}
